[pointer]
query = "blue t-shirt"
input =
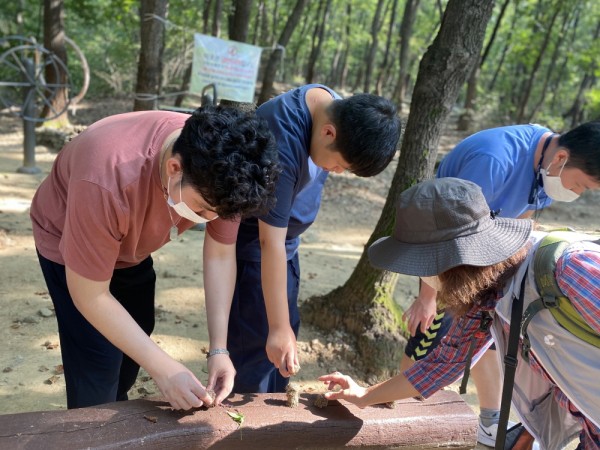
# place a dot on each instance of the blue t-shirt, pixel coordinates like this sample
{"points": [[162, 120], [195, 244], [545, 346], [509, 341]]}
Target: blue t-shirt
{"points": [[500, 161], [300, 184]]}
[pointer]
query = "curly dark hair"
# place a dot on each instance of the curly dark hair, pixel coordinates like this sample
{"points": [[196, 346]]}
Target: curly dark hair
{"points": [[230, 157]]}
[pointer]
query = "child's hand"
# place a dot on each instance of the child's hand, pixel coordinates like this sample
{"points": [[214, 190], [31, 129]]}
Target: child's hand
{"points": [[282, 350], [350, 391]]}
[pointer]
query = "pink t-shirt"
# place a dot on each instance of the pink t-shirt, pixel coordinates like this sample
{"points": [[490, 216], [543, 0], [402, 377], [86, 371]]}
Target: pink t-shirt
{"points": [[102, 207]]}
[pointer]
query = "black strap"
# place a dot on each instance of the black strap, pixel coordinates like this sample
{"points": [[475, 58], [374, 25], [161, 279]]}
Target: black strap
{"points": [[510, 364], [535, 187], [533, 308], [484, 325]]}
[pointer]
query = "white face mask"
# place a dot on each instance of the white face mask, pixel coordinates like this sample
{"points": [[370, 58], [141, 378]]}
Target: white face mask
{"points": [[554, 188], [433, 282], [182, 209]]}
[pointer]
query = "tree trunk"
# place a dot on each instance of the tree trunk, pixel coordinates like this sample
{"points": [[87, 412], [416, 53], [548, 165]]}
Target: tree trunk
{"points": [[343, 68], [364, 306], [152, 38], [292, 68], [187, 75], [370, 60], [216, 25], [271, 68], [529, 84], [383, 69], [465, 121], [575, 112], [318, 38], [240, 20], [261, 28], [206, 16], [551, 70], [54, 40], [406, 27]]}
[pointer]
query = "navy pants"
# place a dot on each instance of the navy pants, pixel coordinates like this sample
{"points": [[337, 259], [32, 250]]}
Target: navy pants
{"points": [[96, 371], [249, 329]]}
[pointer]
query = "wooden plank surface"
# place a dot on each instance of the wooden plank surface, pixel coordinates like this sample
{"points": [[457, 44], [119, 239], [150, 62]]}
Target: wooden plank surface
{"points": [[443, 421]]}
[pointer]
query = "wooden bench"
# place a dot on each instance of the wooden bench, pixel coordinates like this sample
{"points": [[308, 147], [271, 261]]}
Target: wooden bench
{"points": [[443, 421]]}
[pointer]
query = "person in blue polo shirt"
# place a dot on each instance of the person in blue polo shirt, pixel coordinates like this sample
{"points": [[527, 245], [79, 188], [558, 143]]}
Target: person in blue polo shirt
{"points": [[317, 132]]}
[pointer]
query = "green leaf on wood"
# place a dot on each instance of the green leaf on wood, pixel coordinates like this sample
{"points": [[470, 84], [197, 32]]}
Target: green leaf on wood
{"points": [[237, 417]]}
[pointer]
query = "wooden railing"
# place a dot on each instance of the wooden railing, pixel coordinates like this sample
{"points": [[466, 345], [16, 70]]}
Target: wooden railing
{"points": [[443, 421]]}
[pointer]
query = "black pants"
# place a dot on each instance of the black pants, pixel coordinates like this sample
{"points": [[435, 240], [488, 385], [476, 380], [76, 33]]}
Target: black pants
{"points": [[96, 371]]}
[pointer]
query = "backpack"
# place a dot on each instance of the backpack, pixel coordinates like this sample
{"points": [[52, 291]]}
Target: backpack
{"points": [[551, 297]]}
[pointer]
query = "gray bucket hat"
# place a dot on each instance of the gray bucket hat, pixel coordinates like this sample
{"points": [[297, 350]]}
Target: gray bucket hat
{"points": [[444, 223]]}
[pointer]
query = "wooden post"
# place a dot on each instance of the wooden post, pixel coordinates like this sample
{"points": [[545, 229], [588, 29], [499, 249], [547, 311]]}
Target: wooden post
{"points": [[443, 421]]}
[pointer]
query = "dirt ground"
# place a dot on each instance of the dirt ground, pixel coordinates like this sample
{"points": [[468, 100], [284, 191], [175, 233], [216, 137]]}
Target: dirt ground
{"points": [[30, 366]]}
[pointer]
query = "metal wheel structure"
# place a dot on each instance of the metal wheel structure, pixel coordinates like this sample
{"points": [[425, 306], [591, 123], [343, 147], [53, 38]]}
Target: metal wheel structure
{"points": [[23, 86], [25, 92]]}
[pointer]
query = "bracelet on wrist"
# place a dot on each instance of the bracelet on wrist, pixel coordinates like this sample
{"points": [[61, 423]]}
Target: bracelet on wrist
{"points": [[217, 351]]}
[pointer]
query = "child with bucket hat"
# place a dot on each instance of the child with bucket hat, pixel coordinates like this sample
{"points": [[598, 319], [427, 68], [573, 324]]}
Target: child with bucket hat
{"points": [[445, 229]]}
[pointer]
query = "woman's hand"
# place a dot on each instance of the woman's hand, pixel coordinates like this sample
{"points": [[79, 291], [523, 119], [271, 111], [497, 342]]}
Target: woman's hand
{"points": [[350, 391]]}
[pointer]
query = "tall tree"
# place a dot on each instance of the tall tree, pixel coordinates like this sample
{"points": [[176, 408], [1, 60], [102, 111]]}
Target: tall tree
{"points": [[152, 24], [384, 67], [406, 27], [240, 20], [364, 305], [187, 75], [506, 48], [528, 87], [284, 38], [54, 40], [551, 69], [465, 120], [576, 111], [317, 41], [372, 51]]}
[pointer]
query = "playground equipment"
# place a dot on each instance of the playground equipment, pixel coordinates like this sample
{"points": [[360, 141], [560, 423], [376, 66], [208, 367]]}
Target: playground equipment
{"points": [[24, 90]]}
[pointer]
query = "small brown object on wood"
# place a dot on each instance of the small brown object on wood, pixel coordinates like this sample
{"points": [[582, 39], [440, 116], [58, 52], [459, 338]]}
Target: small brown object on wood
{"points": [[292, 392], [213, 395], [320, 401]]}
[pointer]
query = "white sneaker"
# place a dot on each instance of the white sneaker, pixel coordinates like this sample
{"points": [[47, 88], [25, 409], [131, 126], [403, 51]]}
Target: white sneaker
{"points": [[487, 435]]}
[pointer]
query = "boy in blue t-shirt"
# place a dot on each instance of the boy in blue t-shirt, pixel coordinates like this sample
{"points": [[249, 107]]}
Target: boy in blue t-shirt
{"points": [[317, 132]]}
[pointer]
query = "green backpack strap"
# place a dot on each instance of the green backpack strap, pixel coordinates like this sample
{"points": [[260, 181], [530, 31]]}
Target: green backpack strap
{"points": [[552, 298]]}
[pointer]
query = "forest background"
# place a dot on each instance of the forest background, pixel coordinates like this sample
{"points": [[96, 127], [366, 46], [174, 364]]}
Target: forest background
{"points": [[535, 62]]}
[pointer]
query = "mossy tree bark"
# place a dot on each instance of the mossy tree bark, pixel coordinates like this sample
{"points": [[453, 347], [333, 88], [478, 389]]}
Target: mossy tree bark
{"points": [[364, 307], [54, 40]]}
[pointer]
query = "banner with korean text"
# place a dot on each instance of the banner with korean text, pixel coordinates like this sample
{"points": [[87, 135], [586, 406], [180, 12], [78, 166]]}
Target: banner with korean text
{"points": [[232, 66]]}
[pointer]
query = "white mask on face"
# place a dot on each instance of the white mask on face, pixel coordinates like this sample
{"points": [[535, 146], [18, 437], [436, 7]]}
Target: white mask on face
{"points": [[554, 188], [182, 209], [433, 282]]}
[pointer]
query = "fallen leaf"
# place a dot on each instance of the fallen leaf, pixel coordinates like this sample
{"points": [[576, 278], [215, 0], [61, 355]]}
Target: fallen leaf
{"points": [[237, 417]]}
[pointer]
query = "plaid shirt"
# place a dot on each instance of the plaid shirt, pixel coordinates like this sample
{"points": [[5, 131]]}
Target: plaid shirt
{"points": [[578, 275]]}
